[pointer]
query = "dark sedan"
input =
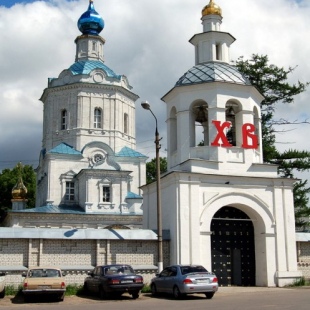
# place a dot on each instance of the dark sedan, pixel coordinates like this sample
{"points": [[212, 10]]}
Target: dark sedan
{"points": [[113, 280], [180, 280]]}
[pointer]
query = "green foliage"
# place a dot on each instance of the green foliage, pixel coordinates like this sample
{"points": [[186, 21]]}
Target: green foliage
{"points": [[272, 82], [8, 179], [11, 290], [151, 169], [146, 289], [300, 282], [74, 289]]}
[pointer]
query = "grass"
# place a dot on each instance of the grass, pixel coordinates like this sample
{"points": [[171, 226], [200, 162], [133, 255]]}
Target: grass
{"points": [[300, 282], [71, 290]]}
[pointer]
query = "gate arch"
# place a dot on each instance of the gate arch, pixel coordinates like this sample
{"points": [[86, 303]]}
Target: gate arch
{"points": [[233, 247], [264, 230]]}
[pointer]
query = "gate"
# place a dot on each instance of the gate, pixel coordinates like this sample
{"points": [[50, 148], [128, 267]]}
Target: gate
{"points": [[233, 248]]}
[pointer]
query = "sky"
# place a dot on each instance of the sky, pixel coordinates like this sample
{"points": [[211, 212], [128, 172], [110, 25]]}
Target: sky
{"points": [[147, 41]]}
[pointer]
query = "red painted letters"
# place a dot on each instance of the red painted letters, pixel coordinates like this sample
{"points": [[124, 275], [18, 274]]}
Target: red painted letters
{"points": [[249, 138]]}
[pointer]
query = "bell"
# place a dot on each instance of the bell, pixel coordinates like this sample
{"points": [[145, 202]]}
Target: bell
{"points": [[231, 112], [201, 116]]}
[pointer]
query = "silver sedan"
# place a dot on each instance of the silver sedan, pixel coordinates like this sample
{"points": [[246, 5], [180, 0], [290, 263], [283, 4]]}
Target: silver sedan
{"points": [[180, 280]]}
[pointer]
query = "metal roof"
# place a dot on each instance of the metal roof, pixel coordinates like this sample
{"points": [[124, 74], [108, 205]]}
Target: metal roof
{"points": [[128, 152], [85, 67], [64, 148], [131, 195], [212, 72]]}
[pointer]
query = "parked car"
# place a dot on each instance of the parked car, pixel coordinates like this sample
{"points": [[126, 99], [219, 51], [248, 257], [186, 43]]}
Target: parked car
{"points": [[180, 280], [2, 284], [44, 281], [113, 280]]}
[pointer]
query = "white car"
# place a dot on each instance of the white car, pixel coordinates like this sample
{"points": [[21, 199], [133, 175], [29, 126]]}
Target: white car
{"points": [[2, 284]]}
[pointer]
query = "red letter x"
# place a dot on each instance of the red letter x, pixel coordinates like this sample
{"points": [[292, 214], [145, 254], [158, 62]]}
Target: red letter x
{"points": [[220, 134]]}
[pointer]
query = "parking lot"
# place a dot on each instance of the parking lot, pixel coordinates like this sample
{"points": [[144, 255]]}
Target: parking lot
{"points": [[247, 298]]}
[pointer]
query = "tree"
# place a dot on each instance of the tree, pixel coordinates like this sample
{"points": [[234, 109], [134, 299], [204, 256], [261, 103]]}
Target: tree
{"points": [[151, 169], [8, 179], [272, 83]]}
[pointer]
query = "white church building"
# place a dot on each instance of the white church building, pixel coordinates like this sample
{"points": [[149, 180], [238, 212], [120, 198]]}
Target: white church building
{"points": [[224, 207]]}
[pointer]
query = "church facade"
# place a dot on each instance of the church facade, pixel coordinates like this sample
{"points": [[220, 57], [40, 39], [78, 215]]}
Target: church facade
{"points": [[88, 157], [224, 207]]}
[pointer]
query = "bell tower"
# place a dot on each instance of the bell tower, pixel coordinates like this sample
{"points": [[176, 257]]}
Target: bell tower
{"points": [[213, 111]]}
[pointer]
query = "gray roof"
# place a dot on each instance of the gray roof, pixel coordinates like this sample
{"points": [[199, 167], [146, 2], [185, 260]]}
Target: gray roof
{"points": [[212, 72], [79, 234]]}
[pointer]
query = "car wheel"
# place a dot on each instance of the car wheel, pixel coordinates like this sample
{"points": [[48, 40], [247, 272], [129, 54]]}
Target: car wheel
{"points": [[135, 295], [153, 289], [2, 293], [85, 288], [61, 297], [176, 293], [102, 293], [209, 295]]}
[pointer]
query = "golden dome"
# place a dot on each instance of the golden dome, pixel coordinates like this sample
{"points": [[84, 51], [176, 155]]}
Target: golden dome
{"points": [[211, 9], [19, 191]]}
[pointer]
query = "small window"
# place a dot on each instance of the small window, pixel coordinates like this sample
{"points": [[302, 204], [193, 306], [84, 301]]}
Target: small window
{"points": [[97, 118], [69, 191], [218, 52], [64, 119], [94, 46], [126, 123], [106, 194]]}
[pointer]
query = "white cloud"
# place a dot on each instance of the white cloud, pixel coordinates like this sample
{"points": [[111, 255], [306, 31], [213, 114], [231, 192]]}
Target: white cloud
{"points": [[148, 42]]}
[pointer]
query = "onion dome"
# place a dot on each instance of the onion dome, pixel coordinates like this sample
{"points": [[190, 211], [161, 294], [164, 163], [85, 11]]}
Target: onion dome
{"points": [[90, 22], [19, 191], [211, 9]]}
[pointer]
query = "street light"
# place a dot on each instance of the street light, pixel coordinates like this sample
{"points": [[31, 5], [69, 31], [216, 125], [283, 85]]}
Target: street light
{"points": [[145, 105]]}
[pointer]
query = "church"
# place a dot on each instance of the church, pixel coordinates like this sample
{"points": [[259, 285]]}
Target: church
{"points": [[222, 206]]}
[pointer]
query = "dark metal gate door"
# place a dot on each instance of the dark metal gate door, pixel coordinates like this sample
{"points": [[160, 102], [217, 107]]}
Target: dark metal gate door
{"points": [[233, 249]]}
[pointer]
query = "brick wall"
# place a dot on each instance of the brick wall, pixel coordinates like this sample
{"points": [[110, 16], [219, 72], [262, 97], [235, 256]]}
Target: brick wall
{"points": [[303, 253], [16, 254]]}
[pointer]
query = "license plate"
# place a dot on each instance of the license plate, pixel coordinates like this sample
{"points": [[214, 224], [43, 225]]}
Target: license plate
{"points": [[44, 287], [203, 280], [127, 281]]}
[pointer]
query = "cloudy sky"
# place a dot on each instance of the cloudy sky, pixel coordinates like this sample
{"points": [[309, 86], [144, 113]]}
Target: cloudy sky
{"points": [[147, 41]]}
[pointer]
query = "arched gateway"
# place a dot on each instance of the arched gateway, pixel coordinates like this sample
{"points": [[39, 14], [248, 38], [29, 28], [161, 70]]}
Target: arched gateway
{"points": [[233, 248]]}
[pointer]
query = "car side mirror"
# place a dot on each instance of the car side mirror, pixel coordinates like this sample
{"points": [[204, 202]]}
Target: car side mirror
{"points": [[63, 274], [2, 274], [24, 274]]}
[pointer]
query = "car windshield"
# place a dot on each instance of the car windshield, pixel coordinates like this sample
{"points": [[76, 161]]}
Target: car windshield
{"points": [[40, 273], [192, 269], [118, 270]]}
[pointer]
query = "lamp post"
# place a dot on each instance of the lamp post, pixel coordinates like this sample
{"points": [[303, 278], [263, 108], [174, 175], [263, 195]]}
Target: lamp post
{"points": [[145, 105]]}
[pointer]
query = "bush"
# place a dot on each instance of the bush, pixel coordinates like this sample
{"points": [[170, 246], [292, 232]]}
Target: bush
{"points": [[146, 289], [74, 289]]}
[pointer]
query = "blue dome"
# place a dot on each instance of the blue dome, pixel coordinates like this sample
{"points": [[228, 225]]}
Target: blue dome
{"points": [[90, 22], [212, 72]]}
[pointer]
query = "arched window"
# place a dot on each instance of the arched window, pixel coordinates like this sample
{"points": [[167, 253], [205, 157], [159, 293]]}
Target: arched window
{"points": [[173, 130], [126, 123], [64, 120], [200, 124], [97, 118], [230, 113]]}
